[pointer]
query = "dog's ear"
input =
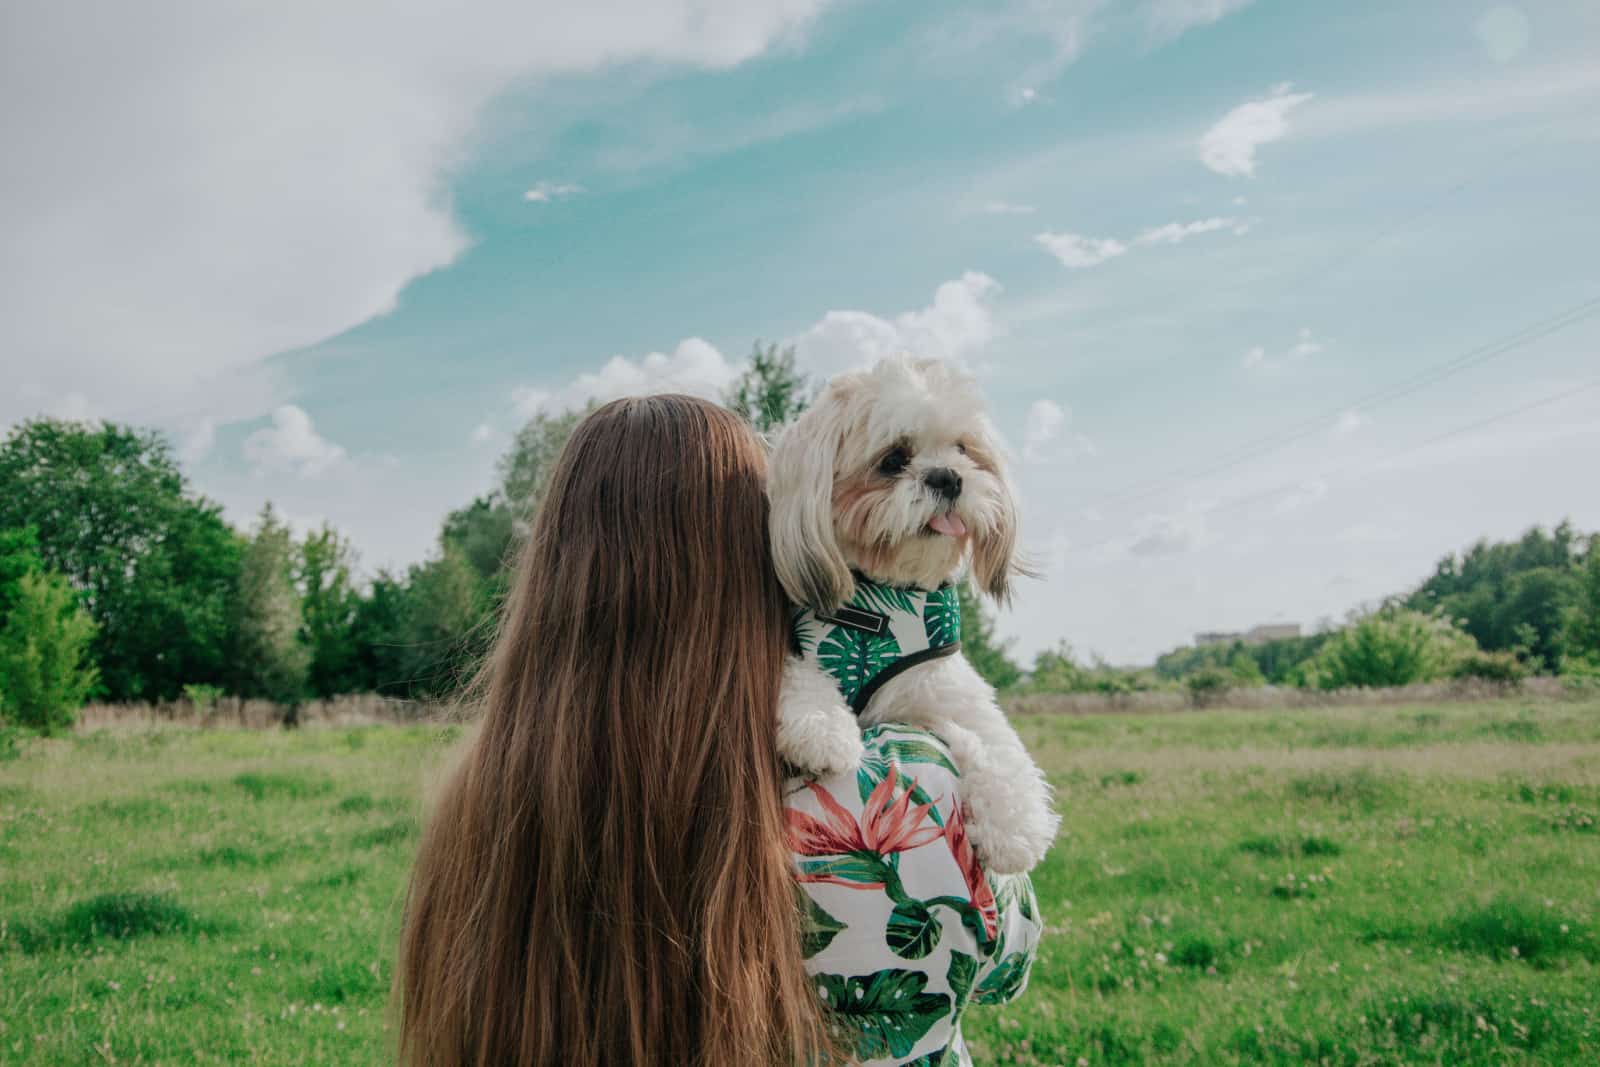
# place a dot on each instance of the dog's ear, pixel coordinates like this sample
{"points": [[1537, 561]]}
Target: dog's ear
{"points": [[805, 551], [994, 561], [994, 550]]}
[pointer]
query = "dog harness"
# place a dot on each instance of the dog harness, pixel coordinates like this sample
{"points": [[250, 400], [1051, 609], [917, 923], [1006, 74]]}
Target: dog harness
{"points": [[883, 631]]}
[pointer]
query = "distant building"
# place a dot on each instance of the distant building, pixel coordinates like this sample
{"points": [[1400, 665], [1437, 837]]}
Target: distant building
{"points": [[1256, 635], [1272, 631]]}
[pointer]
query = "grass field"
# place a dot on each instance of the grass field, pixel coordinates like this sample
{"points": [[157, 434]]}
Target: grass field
{"points": [[1350, 886]]}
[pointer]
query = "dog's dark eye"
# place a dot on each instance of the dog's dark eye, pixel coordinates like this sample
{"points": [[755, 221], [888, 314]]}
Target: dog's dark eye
{"points": [[893, 463], [961, 446]]}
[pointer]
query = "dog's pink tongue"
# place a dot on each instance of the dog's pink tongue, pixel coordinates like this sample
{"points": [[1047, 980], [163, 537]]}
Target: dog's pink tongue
{"points": [[949, 523]]}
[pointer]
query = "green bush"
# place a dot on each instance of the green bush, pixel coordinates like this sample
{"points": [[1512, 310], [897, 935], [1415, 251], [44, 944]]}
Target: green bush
{"points": [[1502, 667], [1058, 671], [203, 697], [1244, 671], [1208, 685], [1395, 646], [1580, 638], [45, 673]]}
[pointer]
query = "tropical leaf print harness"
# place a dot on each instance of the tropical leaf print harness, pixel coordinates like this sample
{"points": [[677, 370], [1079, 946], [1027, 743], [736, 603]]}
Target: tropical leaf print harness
{"points": [[883, 631]]}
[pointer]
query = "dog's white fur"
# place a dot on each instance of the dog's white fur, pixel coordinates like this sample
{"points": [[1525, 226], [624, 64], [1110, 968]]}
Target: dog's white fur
{"points": [[834, 509]]}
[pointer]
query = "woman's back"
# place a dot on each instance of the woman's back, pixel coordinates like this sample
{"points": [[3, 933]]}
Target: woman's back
{"points": [[905, 930]]}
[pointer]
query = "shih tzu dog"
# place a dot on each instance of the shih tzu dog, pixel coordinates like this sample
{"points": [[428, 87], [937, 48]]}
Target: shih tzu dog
{"points": [[883, 492]]}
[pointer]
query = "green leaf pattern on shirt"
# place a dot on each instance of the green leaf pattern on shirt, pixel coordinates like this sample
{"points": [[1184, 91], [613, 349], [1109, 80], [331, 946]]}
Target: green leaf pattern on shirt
{"points": [[942, 618], [895, 940], [853, 657]]}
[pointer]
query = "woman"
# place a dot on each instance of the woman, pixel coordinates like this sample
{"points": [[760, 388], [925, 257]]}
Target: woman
{"points": [[606, 878]]}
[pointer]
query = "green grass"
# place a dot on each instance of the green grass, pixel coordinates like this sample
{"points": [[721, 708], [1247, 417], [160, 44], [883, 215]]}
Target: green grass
{"points": [[1341, 886]]}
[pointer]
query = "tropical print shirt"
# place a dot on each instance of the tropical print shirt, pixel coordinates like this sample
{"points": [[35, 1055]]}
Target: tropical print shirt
{"points": [[905, 929]]}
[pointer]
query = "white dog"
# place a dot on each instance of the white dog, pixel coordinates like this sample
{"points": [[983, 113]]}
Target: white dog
{"points": [[882, 492]]}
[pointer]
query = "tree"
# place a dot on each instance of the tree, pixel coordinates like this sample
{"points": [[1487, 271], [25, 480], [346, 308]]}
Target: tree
{"points": [[1394, 646], [1057, 671], [328, 602], [771, 391], [154, 566], [485, 534], [270, 660], [1580, 635], [19, 557], [1244, 672], [983, 650], [525, 470], [1511, 596], [448, 625], [377, 631], [45, 669]]}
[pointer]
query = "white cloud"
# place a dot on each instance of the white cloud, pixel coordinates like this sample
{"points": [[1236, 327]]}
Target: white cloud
{"points": [[1168, 19], [1045, 419], [1077, 251], [1045, 434], [38, 400], [1006, 207], [1305, 345], [1061, 27], [1230, 146], [958, 323], [197, 440], [1176, 232], [1349, 423], [242, 222], [545, 192], [483, 434], [528, 401], [694, 367], [1167, 535], [291, 445], [1503, 32]]}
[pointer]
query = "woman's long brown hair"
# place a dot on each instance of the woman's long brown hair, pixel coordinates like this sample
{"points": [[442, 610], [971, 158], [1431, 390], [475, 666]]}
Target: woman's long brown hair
{"points": [[604, 879]]}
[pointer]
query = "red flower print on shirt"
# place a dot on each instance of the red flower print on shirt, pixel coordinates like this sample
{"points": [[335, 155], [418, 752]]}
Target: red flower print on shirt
{"points": [[955, 832], [888, 824]]}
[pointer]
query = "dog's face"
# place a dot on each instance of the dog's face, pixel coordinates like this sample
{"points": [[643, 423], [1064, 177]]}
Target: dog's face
{"points": [[895, 472]]}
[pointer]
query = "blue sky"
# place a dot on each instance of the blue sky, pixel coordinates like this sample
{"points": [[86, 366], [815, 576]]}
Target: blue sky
{"points": [[1187, 245]]}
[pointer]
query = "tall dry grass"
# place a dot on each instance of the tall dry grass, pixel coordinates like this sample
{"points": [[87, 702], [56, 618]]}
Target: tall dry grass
{"points": [[1277, 698], [356, 709]]}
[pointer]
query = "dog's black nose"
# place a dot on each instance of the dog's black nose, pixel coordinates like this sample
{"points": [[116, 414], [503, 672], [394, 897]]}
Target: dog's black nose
{"points": [[944, 481]]}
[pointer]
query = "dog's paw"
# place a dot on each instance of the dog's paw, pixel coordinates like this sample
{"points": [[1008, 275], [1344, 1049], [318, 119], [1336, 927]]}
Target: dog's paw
{"points": [[1002, 850], [820, 747]]}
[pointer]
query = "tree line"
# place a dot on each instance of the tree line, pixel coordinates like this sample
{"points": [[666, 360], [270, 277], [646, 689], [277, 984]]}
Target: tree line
{"points": [[120, 583], [1500, 611]]}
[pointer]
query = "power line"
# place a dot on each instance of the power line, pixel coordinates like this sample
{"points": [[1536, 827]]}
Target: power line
{"points": [[1458, 431], [1418, 446], [1258, 447]]}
